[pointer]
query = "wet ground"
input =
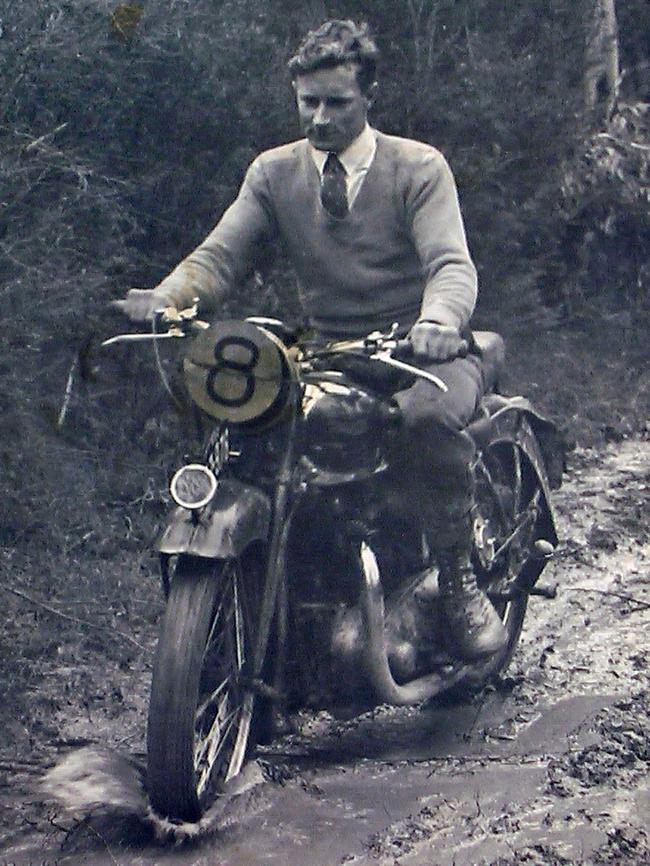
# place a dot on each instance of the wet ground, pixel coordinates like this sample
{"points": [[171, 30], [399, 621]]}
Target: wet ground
{"points": [[548, 767]]}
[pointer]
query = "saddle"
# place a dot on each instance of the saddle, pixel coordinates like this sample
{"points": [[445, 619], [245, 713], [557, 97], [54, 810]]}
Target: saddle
{"points": [[491, 348]]}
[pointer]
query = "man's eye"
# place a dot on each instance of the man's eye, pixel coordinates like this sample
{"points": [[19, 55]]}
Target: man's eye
{"points": [[310, 102], [337, 103]]}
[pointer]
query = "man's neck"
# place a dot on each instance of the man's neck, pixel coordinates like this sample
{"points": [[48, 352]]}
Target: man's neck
{"points": [[357, 155]]}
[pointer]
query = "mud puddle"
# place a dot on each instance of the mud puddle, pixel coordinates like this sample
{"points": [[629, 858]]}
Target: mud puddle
{"points": [[392, 781]]}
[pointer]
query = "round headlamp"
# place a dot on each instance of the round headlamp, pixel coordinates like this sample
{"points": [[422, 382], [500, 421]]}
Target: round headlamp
{"points": [[193, 486]]}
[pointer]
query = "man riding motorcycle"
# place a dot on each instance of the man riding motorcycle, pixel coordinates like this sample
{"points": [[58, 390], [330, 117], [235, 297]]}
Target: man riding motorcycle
{"points": [[373, 229]]}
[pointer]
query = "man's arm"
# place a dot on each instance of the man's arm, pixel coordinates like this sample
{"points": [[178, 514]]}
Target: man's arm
{"points": [[450, 287], [221, 262]]}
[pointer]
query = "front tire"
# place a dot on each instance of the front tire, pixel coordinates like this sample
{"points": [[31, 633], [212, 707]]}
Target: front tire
{"points": [[200, 711]]}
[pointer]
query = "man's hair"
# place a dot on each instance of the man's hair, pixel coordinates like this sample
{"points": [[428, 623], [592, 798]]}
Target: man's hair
{"points": [[336, 43]]}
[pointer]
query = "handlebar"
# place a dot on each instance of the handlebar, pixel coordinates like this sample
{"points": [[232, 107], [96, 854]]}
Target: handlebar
{"points": [[377, 346], [181, 324]]}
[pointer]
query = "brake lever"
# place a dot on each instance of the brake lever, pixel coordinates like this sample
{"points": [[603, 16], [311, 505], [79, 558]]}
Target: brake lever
{"points": [[382, 346], [379, 346], [384, 355]]}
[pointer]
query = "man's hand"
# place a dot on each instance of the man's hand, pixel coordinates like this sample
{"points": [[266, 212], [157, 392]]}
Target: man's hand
{"points": [[433, 342], [139, 304]]}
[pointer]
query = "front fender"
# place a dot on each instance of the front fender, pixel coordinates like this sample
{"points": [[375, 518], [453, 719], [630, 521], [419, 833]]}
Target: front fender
{"points": [[237, 515]]}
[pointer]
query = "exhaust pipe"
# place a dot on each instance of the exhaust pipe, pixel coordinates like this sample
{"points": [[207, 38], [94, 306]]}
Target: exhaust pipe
{"points": [[374, 652]]}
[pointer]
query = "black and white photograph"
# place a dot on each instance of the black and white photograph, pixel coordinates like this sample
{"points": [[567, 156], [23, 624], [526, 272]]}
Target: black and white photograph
{"points": [[325, 433]]}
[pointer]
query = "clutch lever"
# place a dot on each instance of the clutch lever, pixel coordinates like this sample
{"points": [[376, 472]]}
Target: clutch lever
{"points": [[180, 324]]}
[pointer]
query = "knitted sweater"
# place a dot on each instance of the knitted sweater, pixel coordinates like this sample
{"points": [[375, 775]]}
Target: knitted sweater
{"points": [[400, 254]]}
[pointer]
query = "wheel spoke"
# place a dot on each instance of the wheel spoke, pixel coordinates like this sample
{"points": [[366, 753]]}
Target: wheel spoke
{"points": [[517, 483], [229, 576], [239, 628], [239, 748], [204, 739], [210, 699], [217, 743], [227, 645], [213, 745], [525, 521]]}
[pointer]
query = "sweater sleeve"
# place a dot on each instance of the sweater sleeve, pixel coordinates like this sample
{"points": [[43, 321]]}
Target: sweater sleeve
{"points": [[437, 228], [229, 253]]}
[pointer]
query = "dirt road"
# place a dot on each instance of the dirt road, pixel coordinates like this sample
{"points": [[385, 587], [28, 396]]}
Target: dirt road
{"points": [[549, 767]]}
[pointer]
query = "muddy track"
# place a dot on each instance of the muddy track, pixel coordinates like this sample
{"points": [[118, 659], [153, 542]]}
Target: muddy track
{"points": [[548, 767]]}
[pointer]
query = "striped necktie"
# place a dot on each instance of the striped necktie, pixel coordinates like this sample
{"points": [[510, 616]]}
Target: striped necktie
{"points": [[333, 191]]}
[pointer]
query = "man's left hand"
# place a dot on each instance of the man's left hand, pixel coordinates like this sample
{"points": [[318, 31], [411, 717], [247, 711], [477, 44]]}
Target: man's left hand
{"points": [[433, 342]]}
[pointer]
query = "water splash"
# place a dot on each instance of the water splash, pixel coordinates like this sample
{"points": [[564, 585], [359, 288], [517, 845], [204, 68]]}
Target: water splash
{"points": [[108, 790]]}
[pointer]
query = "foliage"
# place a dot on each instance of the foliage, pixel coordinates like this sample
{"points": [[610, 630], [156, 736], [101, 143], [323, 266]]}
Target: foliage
{"points": [[601, 260]]}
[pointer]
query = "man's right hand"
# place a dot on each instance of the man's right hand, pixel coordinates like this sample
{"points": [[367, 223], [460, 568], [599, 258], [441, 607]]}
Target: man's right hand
{"points": [[139, 304]]}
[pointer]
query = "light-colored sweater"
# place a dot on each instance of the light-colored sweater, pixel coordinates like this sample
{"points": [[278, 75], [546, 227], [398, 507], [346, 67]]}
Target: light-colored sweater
{"points": [[399, 255]]}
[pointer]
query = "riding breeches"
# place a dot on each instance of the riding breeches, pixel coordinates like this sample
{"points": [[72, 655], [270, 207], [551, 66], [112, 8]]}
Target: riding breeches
{"points": [[434, 454]]}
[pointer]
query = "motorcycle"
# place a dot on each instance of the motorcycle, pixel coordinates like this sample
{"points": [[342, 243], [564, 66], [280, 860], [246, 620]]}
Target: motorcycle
{"points": [[293, 576]]}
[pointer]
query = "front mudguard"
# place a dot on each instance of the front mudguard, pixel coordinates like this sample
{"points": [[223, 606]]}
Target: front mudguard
{"points": [[237, 515]]}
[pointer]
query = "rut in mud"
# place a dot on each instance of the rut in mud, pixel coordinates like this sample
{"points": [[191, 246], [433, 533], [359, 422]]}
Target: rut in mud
{"points": [[550, 766]]}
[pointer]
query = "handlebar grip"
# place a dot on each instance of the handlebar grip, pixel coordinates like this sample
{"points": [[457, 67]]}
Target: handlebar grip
{"points": [[403, 349]]}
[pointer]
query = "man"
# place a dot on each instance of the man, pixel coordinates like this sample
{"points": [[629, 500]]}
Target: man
{"points": [[373, 229]]}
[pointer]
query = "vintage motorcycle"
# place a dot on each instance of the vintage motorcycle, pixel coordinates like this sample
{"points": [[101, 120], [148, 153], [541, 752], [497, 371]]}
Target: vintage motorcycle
{"points": [[293, 576]]}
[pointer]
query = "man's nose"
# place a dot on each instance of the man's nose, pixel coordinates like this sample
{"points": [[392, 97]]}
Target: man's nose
{"points": [[320, 115]]}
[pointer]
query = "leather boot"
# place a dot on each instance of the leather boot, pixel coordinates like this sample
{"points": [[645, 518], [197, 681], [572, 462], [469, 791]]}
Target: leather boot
{"points": [[473, 627]]}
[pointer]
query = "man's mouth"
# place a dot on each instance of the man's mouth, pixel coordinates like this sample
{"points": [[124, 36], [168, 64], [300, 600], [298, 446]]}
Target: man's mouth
{"points": [[321, 134]]}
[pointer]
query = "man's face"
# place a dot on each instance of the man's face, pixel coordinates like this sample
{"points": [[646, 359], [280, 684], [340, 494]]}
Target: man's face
{"points": [[331, 106]]}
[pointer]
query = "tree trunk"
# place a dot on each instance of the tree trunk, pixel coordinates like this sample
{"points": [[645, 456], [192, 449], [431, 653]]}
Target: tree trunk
{"points": [[601, 78]]}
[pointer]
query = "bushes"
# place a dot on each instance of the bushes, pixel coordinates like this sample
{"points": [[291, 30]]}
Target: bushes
{"points": [[601, 263], [125, 129]]}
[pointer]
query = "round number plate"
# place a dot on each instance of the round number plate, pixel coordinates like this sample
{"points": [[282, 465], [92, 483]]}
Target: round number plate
{"points": [[238, 372]]}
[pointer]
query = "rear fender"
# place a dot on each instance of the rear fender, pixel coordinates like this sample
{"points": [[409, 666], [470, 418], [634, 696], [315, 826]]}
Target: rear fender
{"points": [[550, 440], [516, 421], [237, 515]]}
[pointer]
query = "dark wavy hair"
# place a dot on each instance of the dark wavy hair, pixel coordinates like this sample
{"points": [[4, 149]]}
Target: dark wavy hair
{"points": [[335, 43]]}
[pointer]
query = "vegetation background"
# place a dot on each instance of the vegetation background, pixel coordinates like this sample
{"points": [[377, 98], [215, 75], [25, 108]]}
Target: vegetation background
{"points": [[125, 130]]}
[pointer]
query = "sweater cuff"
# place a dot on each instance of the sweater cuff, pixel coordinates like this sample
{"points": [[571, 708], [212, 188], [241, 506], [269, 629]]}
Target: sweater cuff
{"points": [[428, 321], [441, 315]]}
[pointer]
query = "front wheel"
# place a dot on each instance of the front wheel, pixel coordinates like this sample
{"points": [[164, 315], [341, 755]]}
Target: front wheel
{"points": [[200, 710]]}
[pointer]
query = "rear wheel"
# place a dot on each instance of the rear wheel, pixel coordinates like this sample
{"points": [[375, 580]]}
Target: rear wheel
{"points": [[509, 513], [200, 710]]}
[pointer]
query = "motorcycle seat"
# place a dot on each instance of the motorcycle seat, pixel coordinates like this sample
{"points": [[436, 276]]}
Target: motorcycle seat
{"points": [[492, 349]]}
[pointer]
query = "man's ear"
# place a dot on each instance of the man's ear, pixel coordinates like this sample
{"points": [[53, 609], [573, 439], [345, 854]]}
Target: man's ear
{"points": [[371, 93]]}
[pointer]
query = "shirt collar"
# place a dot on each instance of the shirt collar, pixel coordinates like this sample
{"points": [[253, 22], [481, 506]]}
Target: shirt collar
{"points": [[356, 157]]}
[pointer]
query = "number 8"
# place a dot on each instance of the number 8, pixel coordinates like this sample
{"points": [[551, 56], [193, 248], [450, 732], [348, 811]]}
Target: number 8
{"points": [[223, 363]]}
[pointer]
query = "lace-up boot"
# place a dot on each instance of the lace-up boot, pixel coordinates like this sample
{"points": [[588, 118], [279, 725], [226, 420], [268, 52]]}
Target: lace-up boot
{"points": [[473, 627]]}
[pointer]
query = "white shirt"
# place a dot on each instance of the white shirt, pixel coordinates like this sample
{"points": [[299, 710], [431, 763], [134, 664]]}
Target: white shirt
{"points": [[356, 160]]}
